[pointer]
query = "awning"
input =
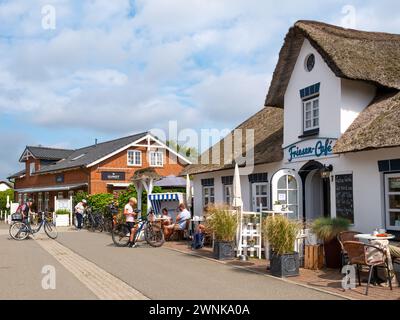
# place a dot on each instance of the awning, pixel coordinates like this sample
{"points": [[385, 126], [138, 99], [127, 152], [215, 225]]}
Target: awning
{"points": [[52, 188], [119, 185], [157, 198]]}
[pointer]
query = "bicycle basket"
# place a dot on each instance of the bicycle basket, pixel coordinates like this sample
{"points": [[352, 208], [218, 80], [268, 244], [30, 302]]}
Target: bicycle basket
{"points": [[16, 217]]}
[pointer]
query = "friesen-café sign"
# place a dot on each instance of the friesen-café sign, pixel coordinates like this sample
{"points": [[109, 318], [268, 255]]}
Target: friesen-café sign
{"points": [[310, 148]]}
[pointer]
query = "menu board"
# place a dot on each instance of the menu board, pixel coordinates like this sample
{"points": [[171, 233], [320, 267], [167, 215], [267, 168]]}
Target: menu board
{"points": [[344, 196]]}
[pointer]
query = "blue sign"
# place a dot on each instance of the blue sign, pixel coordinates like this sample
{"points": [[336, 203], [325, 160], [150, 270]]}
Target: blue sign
{"points": [[313, 148]]}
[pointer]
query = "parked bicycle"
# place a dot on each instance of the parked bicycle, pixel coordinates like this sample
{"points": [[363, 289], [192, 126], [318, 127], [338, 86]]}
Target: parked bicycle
{"points": [[91, 220], [153, 233], [20, 230]]}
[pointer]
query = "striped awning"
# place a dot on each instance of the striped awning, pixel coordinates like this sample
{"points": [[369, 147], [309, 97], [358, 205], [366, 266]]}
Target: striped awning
{"points": [[156, 200]]}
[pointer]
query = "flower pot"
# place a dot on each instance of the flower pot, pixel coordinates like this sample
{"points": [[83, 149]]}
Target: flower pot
{"points": [[224, 250], [277, 207], [286, 265], [332, 254], [251, 252], [62, 220]]}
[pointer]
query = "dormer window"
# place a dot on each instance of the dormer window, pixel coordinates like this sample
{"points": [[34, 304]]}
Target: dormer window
{"points": [[134, 158], [156, 159], [310, 102]]}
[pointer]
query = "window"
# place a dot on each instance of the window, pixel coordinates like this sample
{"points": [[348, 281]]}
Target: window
{"points": [[20, 198], [25, 197], [392, 197], [260, 196], [40, 202], [60, 195], [228, 194], [32, 167], [286, 188], [208, 195], [156, 159], [46, 201], [310, 62], [134, 158], [311, 114], [70, 194]]}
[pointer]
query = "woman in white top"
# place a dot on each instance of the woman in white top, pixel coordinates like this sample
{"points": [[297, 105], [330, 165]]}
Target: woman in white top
{"points": [[130, 215]]}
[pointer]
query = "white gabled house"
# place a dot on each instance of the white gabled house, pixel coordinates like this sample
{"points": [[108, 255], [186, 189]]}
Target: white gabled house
{"points": [[327, 142]]}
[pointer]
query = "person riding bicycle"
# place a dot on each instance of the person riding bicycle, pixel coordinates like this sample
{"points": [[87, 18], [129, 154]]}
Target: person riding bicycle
{"points": [[79, 211], [130, 212]]}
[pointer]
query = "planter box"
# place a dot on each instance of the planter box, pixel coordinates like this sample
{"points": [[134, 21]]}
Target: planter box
{"points": [[333, 258], [286, 265], [62, 220], [224, 250], [313, 257]]}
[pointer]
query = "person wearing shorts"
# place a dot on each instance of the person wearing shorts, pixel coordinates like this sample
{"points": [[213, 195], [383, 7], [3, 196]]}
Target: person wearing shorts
{"points": [[130, 215]]}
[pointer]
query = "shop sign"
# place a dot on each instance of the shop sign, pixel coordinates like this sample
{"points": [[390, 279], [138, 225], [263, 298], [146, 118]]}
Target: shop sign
{"points": [[311, 148], [108, 175]]}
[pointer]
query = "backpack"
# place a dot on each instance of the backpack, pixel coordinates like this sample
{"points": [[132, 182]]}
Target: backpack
{"points": [[17, 216]]}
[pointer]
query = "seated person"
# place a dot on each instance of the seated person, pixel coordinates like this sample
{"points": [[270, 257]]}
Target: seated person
{"points": [[394, 252], [180, 223], [167, 219]]}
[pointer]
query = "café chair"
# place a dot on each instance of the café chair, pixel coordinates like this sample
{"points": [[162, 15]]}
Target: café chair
{"points": [[346, 236], [361, 254]]}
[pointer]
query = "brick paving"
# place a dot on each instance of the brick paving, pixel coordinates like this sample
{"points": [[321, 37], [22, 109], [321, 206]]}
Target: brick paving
{"points": [[326, 280]]}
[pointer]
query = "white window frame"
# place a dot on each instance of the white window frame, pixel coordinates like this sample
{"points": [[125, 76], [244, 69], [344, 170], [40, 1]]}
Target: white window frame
{"points": [[311, 102], [255, 196], [32, 168], [158, 157], [211, 199], [40, 201], [134, 154], [46, 200], [227, 198], [387, 203]]}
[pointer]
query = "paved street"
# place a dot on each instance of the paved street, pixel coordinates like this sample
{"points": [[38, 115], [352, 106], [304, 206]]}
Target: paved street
{"points": [[155, 273]]}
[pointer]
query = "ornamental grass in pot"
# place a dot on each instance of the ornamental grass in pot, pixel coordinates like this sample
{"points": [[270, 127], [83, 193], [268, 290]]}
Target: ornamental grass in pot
{"points": [[327, 230], [281, 234], [223, 223]]}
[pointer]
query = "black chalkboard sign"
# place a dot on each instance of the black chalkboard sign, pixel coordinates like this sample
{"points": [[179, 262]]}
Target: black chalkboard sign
{"points": [[344, 196]]}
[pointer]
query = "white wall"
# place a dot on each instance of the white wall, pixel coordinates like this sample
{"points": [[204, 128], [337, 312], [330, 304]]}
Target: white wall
{"points": [[330, 100], [356, 95], [4, 187]]}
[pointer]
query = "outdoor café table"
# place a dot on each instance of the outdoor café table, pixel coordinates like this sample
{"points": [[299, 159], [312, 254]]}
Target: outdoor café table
{"points": [[381, 242], [277, 212]]}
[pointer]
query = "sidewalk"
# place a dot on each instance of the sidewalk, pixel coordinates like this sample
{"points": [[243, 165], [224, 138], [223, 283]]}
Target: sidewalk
{"points": [[327, 280]]}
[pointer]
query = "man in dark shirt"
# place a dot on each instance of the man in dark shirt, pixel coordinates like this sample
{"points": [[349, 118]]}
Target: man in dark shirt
{"points": [[26, 210]]}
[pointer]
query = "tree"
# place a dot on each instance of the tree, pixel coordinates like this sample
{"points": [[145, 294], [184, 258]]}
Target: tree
{"points": [[188, 152]]}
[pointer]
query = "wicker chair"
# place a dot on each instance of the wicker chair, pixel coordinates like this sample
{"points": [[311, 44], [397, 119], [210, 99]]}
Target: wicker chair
{"points": [[367, 255], [346, 236]]}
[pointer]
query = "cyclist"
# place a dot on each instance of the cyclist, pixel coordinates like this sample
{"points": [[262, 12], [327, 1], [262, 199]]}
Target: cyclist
{"points": [[79, 210], [131, 213]]}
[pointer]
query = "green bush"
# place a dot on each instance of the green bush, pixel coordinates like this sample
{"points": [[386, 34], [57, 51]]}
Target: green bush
{"points": [[61, 212], [3, 198], [124, 196], [281, 233], [99, 202], [79, 196]]}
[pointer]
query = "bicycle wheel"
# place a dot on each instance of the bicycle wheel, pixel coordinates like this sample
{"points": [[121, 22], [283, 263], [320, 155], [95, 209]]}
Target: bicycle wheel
{"points": [[120, 235], [50, 230], [19, 231], [154, 235]]}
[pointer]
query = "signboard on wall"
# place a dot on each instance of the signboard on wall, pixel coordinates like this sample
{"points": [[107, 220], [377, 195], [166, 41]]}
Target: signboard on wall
{"points": [[310, 149], [344, 196], [112, 175]]}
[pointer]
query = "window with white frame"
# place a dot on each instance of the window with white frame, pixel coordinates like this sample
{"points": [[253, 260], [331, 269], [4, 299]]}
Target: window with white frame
{"points": [[32, 168], [40, 201], [208, 195], [228, 194], [156, 158], [311, 114], [392, 195], [60, 195], [46, 200], [134, 158]]}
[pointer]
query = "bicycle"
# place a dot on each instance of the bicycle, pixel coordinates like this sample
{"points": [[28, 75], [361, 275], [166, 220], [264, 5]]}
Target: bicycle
{"points": [[91, 221], [153, 233], [20, 230]]}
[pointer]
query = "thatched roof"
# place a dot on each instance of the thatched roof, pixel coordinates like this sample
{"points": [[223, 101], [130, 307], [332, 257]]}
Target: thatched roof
{"points": [[377, 126], [268, 138], [358, 55], [146, 173]]}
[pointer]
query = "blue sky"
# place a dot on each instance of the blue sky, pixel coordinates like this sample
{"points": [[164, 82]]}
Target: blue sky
{"points": [[111, 68]]}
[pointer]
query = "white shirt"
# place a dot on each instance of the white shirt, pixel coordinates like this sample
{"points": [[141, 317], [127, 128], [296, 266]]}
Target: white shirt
{"points": [[183, 216], [80, 208], [130, 216]]}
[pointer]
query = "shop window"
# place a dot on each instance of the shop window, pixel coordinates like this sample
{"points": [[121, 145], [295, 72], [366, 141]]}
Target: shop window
{"points": [[156, 159], [134, 158], [208, 195], [392, 196]]}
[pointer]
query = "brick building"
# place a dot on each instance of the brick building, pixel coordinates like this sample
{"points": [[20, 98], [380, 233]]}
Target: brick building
{"points": [[99, 168]]}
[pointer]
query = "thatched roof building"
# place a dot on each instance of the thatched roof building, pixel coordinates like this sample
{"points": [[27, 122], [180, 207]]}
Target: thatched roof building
{"points": [[268, 137]]}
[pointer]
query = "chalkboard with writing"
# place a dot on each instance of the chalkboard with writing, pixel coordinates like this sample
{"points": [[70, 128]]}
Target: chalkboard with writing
{"points": [[344, 196]]}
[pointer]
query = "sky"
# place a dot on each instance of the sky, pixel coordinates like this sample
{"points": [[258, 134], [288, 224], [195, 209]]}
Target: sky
{"points": [[75, 71]]}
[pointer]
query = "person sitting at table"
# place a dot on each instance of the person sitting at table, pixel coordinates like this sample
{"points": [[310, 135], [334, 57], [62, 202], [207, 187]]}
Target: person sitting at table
{"points": [[180, 222], [167, 219], [394, 251]]}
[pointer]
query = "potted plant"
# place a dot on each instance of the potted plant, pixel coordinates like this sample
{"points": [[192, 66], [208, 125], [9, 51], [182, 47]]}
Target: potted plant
{"points": [[277, 206], [281, 233], [251, 244], [326, 230], [62, 218], [223, 223]]}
